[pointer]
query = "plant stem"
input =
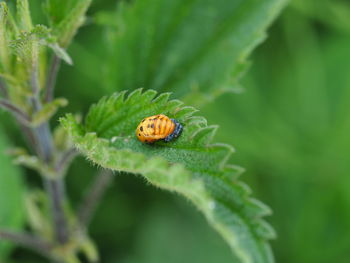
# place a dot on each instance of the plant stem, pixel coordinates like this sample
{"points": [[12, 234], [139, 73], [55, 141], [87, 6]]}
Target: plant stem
{"points": [[53, 186], [27, 241], [55, 190], [66, 159], [23, 118], [51, 80], [3, 89], [93, 197], [45, 150], [10, 107]]}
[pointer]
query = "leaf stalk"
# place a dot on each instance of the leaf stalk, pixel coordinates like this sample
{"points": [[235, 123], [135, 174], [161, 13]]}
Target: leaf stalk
{"points": [[51, 80], [16, 111], [93, 197], [28, 241]]}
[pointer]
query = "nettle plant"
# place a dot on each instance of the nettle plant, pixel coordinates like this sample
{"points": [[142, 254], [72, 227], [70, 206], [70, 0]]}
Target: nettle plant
{"points": [[193, 165]]}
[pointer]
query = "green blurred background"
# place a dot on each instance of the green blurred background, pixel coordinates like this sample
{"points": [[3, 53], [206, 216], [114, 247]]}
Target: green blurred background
{"points": [[289, 123]]}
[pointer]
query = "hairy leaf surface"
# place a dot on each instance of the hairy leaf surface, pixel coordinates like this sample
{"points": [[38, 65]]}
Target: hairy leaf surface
{"points": [[68, 27], [192, 165], [185, 46], [56, 10]]}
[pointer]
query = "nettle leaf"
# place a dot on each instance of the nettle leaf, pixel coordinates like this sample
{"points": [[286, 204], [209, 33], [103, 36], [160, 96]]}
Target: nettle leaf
{"points": [[69, 25], [4, 52], [185, 46], [47, 111], [40, 35], [192, 165], [23, 15], [56, 10]]}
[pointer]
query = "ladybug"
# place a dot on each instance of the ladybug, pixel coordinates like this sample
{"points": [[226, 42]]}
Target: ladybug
{"points": [[158, 127]]}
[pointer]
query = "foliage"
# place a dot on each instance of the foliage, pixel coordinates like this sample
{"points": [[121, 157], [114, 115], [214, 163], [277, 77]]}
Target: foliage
{"points": [[289, 126], [296, 112], [193, 165], [68, 27], [193, 48], [26, 85]]}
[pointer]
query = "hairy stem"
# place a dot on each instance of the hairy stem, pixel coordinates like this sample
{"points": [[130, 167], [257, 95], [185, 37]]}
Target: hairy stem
{"points": [[28, 241], [55, 190], [45, 150], [93, 197], [51, 80], [54, 187], [65, 160], [44, 142]]}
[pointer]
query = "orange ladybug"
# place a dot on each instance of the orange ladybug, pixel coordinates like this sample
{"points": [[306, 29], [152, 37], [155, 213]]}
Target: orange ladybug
{"points": [[158, 127]]}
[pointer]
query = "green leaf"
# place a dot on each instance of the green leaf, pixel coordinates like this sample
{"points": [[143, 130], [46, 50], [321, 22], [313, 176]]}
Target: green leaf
{"points": [[69, 26], [4, 52], [61, 53], [185, 45], [39, 35], [56, 10], [33, 162], [11, 189], [48, 111], [23, 15], [37, 210], [192, 165], [27, 42]]}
